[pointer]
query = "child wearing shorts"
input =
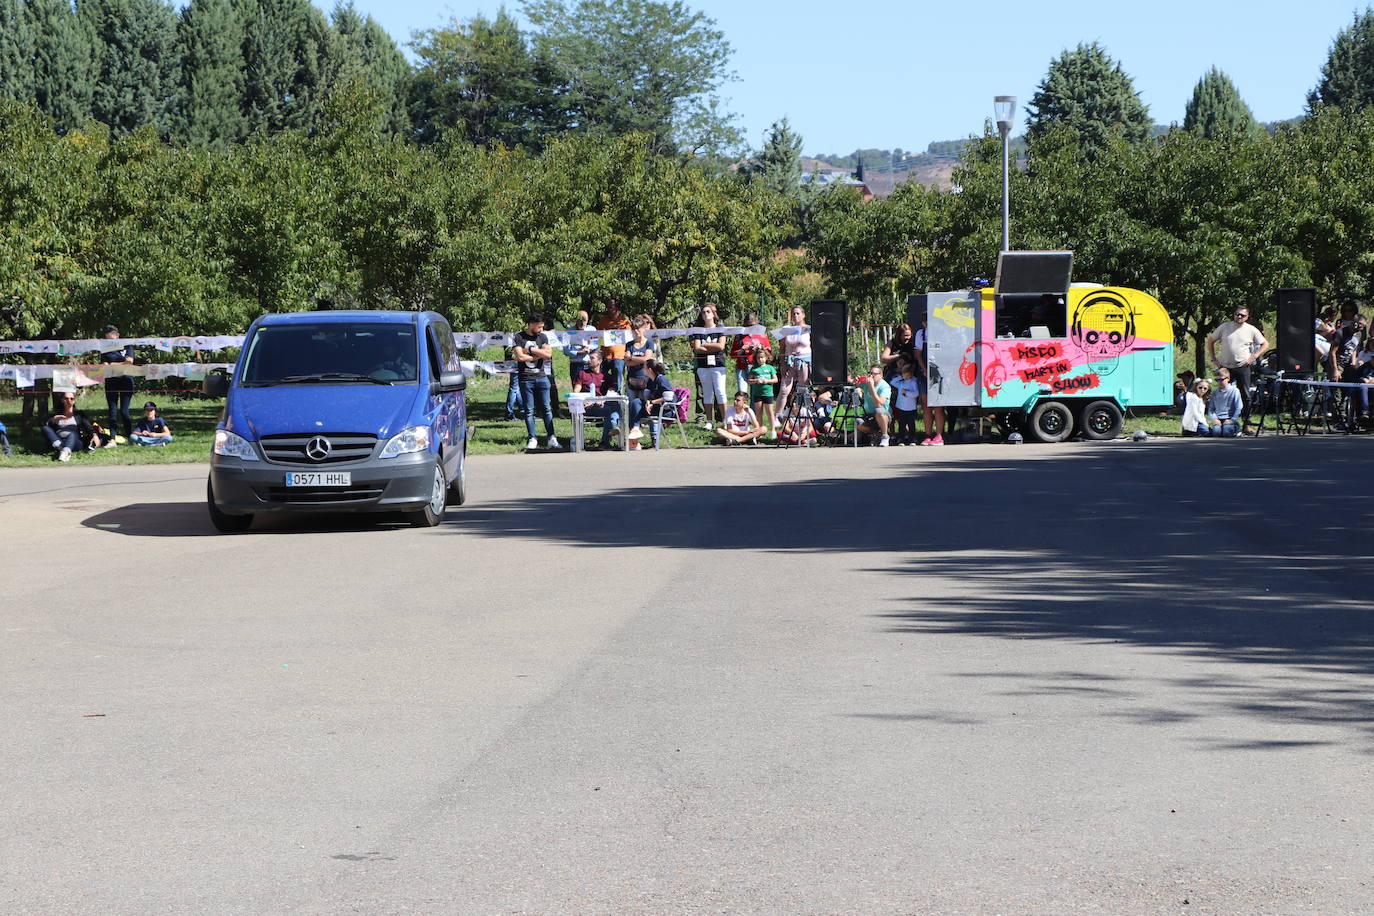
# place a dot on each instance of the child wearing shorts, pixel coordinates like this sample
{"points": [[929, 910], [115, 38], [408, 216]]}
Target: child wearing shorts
{"points": [[763, 379]]}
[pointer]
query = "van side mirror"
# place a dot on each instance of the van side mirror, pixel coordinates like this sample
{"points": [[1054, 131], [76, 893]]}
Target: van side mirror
{"points": [[449, 381], [216, 385]]}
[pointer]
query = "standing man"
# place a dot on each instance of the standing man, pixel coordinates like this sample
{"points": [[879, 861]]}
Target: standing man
{"points": [[119, 389], [613, 357], [1241, 343], [534, 354], [577, 352]]}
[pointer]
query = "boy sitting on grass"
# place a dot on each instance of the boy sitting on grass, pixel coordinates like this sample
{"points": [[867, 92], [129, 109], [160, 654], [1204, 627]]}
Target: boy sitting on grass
{"points": [[741, 425], [151, 429]]}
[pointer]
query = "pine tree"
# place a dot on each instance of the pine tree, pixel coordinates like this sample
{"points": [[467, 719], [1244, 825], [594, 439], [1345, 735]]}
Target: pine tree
{"points": [[1088, 91], [1217, 110], [361, 51], [285, 48], [1347, 79], [778, 165], [64, 54], [137, 68], [210, 47], [16, 52]]}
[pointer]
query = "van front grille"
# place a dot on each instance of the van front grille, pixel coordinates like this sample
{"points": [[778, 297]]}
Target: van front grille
{"points": [[295, 448]]}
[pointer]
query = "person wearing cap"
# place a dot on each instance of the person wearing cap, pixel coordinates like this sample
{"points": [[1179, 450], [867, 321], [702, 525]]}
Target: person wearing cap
{"points": [[119, 389], [151, 429]]}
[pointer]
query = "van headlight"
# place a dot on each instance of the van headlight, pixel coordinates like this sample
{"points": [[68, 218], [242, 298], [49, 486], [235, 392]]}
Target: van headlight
{"points": [[233, 446], [411, 439]]}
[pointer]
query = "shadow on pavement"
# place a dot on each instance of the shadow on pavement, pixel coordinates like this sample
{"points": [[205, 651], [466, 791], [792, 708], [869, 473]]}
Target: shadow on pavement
{"points": [[181, 520], [1248, 552]]}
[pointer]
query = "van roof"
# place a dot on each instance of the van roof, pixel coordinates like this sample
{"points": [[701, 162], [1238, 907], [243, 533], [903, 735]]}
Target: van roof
{"points": [[375, 315]]}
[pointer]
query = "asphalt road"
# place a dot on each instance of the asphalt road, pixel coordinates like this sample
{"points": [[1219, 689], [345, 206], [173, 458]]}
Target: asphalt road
{"points": [[1122, 678]]}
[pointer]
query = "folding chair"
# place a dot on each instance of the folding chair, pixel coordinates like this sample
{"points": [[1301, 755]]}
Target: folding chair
{"points": [[668, 413]]}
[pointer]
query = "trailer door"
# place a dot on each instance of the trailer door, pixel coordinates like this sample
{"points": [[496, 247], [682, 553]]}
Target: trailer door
{"points": [[952, 359]]}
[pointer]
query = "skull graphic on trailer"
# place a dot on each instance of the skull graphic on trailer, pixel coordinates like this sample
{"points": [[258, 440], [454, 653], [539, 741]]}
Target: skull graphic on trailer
{"points": [[1103, 328]]}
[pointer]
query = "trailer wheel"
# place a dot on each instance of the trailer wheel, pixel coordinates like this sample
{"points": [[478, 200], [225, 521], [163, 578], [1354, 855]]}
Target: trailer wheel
{"points": [[1051, 421], [1100, 420]]}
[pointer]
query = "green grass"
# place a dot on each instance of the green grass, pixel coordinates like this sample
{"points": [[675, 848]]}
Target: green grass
{"points": [[192, 422]]}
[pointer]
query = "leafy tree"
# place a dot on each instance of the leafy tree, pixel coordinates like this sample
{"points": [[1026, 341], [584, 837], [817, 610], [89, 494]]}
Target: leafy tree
{"points": [[16, 52], [1347, 78], [360, 50], [1089, 92], [1216, 108], [136, 70], [64, 52], [1327, 206], [210, 46], [640, 66], [284, 52], [482, 80]]}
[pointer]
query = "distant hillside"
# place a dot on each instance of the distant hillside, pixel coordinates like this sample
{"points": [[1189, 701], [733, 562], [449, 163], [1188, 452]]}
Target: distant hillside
{"points": [[885, 169]]}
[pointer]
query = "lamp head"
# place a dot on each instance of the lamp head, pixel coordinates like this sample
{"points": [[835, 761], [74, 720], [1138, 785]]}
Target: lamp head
{"points": [[1005, 107]]}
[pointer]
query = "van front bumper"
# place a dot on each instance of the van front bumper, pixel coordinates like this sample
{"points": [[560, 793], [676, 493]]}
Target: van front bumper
{"points": [[397, 484]]}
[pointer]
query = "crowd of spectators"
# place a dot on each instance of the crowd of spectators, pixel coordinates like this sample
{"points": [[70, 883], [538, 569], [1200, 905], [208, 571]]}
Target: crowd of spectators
{"points": [[767, 376]]}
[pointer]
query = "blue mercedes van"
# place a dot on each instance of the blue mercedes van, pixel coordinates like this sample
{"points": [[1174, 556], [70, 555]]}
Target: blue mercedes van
{"points": [[340, 411]]}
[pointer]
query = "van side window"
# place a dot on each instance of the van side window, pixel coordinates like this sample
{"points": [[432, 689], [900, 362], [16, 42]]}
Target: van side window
{"points": [[448, 350], [432, 348]]}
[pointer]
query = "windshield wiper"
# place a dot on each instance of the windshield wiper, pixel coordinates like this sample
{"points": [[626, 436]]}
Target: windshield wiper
{"points": [[330, 377]]}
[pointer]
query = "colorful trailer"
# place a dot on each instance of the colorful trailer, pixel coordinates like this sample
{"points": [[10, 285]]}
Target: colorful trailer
{"points": [[1052, 362]]}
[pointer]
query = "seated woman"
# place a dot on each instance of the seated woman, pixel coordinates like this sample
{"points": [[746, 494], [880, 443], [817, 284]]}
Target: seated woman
{"points": [[70, 430], [658, 390], [591, 380], [741, 425]]}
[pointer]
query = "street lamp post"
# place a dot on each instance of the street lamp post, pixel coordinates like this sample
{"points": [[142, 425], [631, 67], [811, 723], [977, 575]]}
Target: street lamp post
{"points": [[1005, 106]]}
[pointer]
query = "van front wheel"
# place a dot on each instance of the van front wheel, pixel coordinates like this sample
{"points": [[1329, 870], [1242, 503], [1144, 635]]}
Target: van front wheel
{"points": [[432, 513], [223, 522]]}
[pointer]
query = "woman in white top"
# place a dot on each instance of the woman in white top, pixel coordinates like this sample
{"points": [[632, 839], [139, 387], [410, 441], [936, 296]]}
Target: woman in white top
{"points": [[741, 424], [1195, 419], [796, 357]]}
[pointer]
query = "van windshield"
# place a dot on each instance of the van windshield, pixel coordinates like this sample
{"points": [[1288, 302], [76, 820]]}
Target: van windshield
{"points": [[332, 353]]}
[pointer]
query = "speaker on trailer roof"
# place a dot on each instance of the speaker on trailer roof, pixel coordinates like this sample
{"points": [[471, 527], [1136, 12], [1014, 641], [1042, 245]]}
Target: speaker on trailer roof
{"points": [[915, 310], [1296, 324], [829, 342]]}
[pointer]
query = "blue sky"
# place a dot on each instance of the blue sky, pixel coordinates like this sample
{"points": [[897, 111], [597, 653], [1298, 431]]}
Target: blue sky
{"points": [[884, 74]]}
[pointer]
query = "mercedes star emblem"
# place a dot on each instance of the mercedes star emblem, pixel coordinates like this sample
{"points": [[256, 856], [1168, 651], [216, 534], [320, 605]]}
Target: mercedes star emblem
{"points": [[318, 448]]}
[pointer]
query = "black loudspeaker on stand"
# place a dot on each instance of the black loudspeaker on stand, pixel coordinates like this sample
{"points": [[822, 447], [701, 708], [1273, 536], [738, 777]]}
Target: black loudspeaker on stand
{"points": [[1296, 323], [829, 342]]}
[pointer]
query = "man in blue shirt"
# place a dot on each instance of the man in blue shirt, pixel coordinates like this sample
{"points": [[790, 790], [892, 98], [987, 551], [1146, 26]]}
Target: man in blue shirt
{"points": [[1226, 406], [877, 395]]}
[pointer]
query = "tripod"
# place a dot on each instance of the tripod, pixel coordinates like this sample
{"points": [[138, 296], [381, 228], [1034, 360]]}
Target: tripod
{"points": [[795, 426]]}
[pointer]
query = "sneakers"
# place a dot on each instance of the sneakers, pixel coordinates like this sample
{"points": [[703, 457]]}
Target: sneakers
{"points": [[65, 454], [553, 443], [112, 443], [883, 442], [532, 444], [707, 426], [938, 440]]}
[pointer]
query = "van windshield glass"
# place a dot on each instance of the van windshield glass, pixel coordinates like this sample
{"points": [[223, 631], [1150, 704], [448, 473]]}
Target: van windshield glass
{"points": [[332, 353]]}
